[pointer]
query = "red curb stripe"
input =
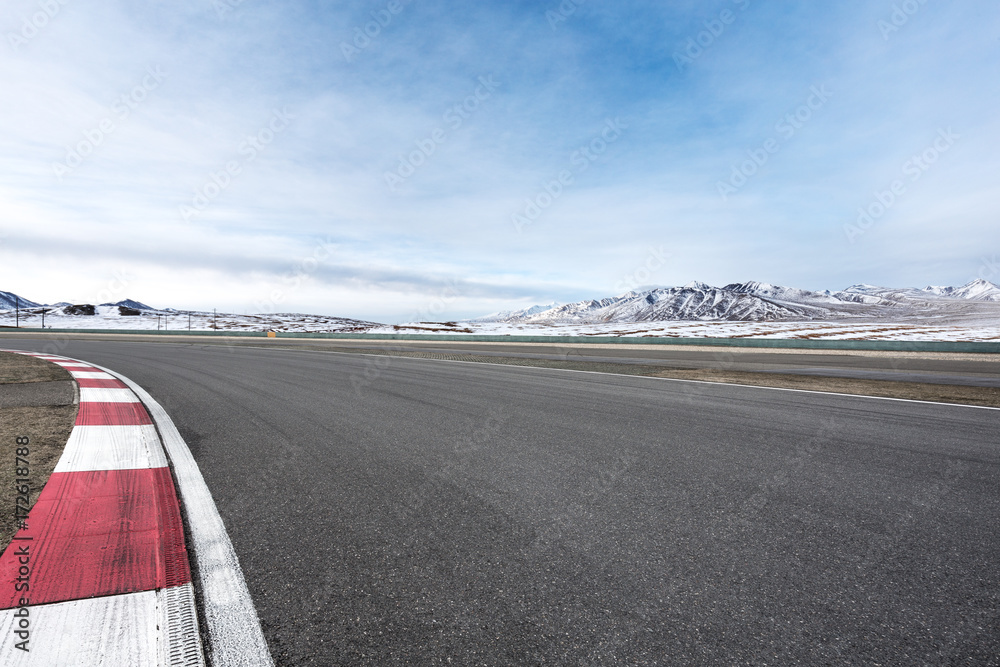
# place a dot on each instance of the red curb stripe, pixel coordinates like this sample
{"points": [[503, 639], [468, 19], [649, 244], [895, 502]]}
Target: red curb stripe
{"points": [[93, 413], [93, 383], [98, 533]]}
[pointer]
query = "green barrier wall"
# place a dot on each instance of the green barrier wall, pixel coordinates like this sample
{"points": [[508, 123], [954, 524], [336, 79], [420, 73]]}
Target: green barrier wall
{"points": [[785, 343]]}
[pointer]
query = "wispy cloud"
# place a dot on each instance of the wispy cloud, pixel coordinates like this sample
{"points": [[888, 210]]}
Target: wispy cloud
{"points": [[221, 74]]}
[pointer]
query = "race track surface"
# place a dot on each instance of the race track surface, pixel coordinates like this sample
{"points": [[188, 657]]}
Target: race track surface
{"points": [[392, 510]]}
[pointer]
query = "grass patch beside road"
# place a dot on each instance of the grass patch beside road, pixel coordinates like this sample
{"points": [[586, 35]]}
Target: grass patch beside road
{"points": [[46, 426], [17, 368]]}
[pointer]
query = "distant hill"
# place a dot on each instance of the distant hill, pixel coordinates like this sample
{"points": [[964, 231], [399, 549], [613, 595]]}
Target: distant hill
{"points": [[755, 302], [10, 301], [129, 303]]}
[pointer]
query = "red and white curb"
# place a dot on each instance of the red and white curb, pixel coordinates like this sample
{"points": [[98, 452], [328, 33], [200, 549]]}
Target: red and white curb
{"points": [[102, 563]]}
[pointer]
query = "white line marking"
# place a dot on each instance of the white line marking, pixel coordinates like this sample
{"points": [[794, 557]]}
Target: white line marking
{"points": [[112, 448], [234, 633]]}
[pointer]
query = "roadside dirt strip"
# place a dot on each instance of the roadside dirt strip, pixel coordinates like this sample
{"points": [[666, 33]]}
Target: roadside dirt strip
{"points": [[98, 572]]}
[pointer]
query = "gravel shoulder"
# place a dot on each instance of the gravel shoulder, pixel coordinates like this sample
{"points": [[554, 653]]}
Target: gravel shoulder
{"points": [[37, 403]]}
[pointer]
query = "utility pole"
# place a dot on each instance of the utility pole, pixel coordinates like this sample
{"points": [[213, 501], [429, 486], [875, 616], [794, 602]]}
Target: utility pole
{"points": [[215, 319], [189, 321], [17, 311]]}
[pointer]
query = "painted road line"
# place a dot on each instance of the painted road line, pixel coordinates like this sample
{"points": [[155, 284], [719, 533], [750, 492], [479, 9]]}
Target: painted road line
{"points": [[118, 631], [234, 636], [112, 448], [90, 395]]}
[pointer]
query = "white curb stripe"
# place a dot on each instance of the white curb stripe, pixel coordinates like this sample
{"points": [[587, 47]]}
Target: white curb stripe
{"points": [[101, 395], [84, 375], [234, 636], [112, 448], [114, 630], [135, 630]]}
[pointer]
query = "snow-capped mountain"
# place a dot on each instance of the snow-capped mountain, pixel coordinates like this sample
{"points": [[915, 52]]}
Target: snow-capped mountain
{"points": [[977, 290], [8, 300], [129, 303], [11, 301], [515, 315], [755, 302], [694, 301]]}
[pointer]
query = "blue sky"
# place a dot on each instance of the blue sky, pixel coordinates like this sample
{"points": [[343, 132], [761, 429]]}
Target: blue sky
{"points": [[465, 158]]}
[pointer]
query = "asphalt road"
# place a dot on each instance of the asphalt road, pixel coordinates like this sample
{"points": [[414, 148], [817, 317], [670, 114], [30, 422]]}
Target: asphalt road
{"points": [[409, 511], [969, 370], [978, 370]]}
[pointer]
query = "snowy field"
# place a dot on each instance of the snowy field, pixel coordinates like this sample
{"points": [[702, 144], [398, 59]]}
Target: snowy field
{"points": [[109, 317], [786, 330], [969, 312]]}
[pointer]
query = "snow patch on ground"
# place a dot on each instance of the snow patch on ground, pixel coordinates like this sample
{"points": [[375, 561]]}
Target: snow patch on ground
{"points": [[813, 330]]}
